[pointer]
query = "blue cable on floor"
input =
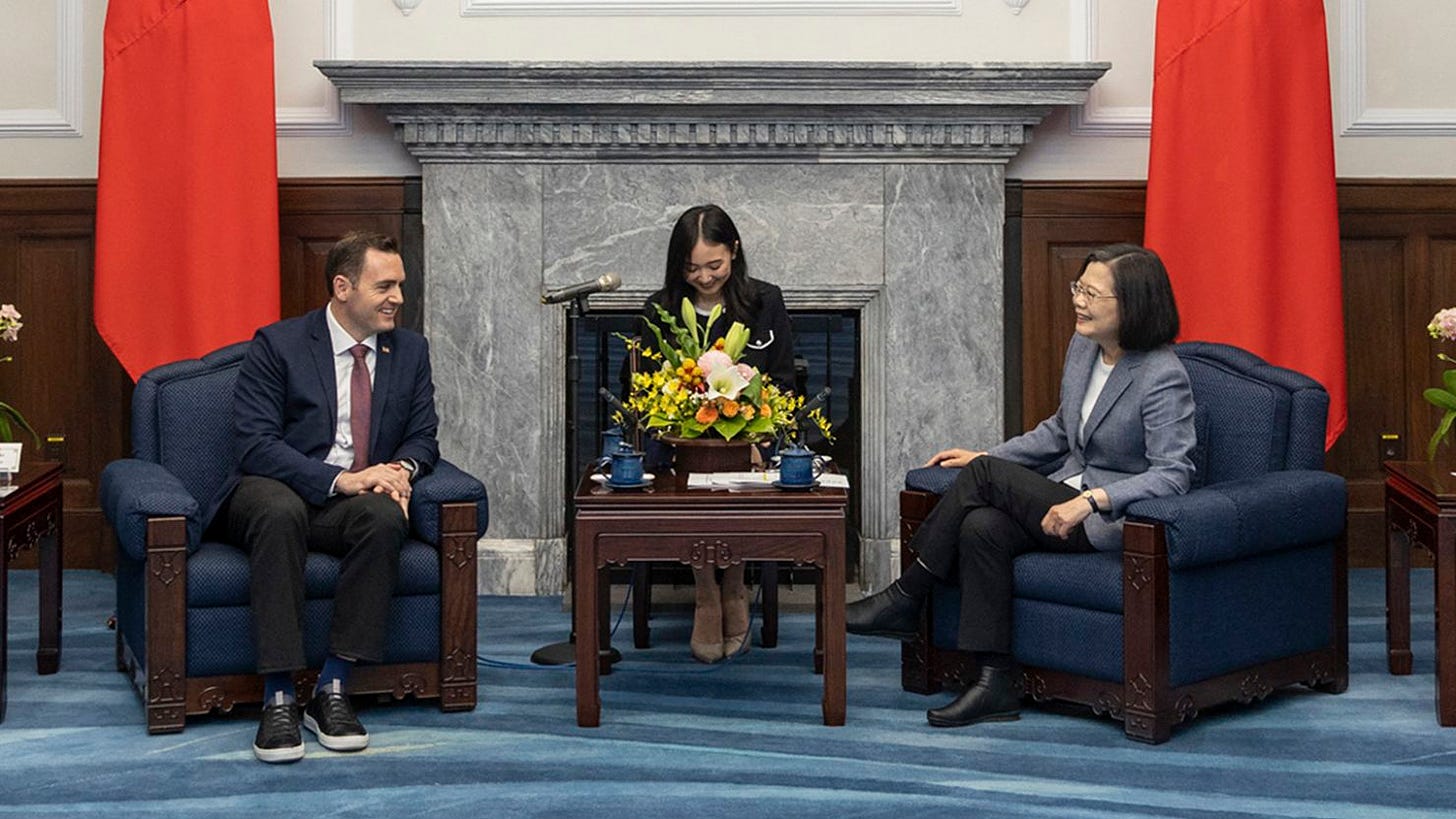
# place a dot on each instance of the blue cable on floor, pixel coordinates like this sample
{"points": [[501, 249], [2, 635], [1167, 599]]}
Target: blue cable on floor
{"points": [[486, 662]]}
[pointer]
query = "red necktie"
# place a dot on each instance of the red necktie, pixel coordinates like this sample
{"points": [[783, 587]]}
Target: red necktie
{"points": [[361, 398]]}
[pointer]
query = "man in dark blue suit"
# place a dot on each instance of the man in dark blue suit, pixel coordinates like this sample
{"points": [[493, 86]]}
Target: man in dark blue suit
{"points": [[333, 417]]}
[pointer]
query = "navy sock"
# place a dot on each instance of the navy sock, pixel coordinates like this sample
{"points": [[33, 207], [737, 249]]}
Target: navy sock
{"points": [[278, 682], [335, 668], [917, 581]]}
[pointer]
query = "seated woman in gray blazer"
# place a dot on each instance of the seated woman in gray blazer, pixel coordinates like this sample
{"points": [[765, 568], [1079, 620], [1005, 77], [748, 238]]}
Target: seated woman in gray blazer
{"points": [[1123, 433]]}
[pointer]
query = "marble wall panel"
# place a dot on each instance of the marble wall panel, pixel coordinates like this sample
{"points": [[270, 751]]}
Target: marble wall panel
{"points": [[802, 225]]}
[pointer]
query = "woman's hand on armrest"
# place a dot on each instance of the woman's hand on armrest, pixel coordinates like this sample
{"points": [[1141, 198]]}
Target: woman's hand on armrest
{"points": [[953, 457]]}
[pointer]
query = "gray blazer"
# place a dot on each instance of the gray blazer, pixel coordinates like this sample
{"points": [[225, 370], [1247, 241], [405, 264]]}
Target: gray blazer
{"points": [[1140, 434]]}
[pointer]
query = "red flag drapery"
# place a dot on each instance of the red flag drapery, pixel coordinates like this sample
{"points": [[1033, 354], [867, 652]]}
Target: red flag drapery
{"points": [[1241, 182], [187, 183]]}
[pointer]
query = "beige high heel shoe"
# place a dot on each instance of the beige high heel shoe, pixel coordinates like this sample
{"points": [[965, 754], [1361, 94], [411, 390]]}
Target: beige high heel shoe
{"points": [[735, 611], [706, 643]]}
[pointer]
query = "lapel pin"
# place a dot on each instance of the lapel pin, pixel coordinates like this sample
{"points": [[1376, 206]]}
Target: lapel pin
{"points": [[383, 348]]}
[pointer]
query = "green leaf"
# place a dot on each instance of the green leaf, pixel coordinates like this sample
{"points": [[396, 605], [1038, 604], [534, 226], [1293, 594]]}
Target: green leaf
{"points": [[1439, 435], [1449, 377], [10, 417], [690, 317], [729, 427], [1440, 398], [713, 316]]}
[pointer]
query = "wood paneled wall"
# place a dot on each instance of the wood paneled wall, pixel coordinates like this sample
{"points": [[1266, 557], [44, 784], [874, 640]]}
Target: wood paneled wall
{"points": [[63, 377], [1398, 242], [1398, 248]]}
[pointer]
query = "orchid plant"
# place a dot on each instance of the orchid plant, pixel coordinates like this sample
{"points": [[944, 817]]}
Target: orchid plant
{"points": [[700, 386], [10, 417]]}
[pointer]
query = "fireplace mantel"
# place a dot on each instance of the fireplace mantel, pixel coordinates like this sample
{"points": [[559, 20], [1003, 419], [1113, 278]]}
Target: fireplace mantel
{"points": [[873, 186]]}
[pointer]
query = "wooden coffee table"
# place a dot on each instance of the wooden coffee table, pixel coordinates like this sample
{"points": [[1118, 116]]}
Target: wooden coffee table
{"points": [[1420, 510], [30, 518], [702, 527]]}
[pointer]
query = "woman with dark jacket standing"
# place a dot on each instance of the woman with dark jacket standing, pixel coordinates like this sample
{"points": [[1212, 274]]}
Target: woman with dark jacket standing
{"points": [[706, 264]]}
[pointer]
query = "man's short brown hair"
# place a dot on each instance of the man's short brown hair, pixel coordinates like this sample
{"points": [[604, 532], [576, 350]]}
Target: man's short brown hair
{"points": [[346, 257]]}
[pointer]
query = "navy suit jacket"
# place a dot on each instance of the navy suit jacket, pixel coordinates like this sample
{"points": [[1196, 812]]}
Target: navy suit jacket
{"points": [[285, 407], [1140, 433]]}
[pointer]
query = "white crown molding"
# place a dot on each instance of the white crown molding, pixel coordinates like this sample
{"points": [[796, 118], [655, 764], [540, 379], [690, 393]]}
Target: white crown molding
{"points": [[1094, 118], [333, 118], [544, 8], [1356, 119], [64, 120]]}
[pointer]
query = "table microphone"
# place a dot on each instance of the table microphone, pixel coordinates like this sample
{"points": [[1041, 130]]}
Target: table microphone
{"points": [[601, 284]]}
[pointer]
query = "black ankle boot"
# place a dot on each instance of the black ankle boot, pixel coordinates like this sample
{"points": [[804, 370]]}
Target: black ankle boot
{"points": [[996, 697], [888, 613]]}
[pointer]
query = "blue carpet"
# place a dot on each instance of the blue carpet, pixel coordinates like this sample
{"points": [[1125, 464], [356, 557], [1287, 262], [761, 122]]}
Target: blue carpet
{"points": [[744, 738]]}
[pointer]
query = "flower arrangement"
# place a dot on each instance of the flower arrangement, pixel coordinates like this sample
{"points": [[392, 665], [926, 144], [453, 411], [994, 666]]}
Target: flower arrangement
{"points": [[10, 417], [702, 388]]}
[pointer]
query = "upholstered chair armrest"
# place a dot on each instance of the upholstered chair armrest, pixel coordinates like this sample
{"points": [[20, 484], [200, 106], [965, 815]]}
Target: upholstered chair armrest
{"points": [[934, 479], [445, 484], [1234, 519], [133, 491]]}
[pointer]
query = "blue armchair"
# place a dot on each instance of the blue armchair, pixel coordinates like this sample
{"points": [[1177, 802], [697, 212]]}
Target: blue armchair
{"points": [[1222, 594], [184, 627]]}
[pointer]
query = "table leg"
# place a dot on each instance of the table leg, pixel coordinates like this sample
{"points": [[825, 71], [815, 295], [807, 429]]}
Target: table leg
{"points": [[832, 619], [819, 623], [604, 622], [641, 604], [768, 634], [586, 610], [1446, 621], [1397, 593], [48, 654]]}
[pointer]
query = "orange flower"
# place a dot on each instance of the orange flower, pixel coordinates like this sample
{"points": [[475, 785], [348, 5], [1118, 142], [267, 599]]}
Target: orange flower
{"points": [[730, 408], [707, 413], [766, 411], [718, 345], [748, 412]]}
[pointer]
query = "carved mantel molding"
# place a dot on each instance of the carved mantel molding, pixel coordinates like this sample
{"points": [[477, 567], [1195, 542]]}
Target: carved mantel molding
{"points": [[728, 112]]}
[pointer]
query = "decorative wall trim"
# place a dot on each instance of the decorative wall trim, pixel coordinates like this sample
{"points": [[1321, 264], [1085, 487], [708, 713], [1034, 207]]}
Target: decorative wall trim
{"points": [[1356, 119], [332, 118], [713, 113], [65, 119], [577, 8], [1094, 118]]}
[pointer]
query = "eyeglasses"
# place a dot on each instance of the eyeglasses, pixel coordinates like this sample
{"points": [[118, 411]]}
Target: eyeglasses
{"points": [[1079, 289]]}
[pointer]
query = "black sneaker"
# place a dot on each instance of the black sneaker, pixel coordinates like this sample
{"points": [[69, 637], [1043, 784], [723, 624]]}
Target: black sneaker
{"points": [[330, 716], [279, 739]]}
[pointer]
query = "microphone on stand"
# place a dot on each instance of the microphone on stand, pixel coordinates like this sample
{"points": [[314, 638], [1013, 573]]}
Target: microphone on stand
{"points": [[601, 284], [812, 404]]}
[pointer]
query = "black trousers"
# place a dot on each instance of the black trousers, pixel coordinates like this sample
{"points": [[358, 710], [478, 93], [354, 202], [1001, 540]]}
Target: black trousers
{"points": [[991, 514], [278, 529]]}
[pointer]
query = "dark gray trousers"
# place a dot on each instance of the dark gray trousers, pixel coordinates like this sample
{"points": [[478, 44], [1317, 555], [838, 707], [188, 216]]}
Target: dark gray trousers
{"points": [[277, 529], [991, 514]]}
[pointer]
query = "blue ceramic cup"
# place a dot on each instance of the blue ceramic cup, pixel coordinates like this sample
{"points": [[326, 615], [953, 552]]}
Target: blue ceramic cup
{"points": [[626, 466], [799, 466], [611, 439]]}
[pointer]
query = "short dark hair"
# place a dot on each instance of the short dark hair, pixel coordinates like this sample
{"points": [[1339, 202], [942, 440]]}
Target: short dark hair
{"points": [[711, 224], [346, 257], [1147, 312]]}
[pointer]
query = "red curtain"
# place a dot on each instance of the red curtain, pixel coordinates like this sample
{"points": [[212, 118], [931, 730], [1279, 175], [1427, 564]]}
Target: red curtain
{"points": [[1241, 182], [187, 185]]}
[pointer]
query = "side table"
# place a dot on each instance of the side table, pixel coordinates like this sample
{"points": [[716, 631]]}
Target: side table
{"points": [[1420, 510], [30, 518]]}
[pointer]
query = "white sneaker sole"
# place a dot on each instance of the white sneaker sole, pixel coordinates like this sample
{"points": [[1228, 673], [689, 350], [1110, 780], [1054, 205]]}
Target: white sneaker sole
{"points": [[333, 743], [276, 755]]}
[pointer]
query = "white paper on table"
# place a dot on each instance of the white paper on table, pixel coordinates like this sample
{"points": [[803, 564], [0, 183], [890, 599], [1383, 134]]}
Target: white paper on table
{"points": [[754, 480]]}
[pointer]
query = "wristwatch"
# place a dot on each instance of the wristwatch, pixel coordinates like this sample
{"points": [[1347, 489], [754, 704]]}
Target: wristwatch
{"points": [[412, 468], [1091, 500]]}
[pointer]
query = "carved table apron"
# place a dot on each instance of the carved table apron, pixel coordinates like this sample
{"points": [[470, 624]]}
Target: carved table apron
{"points": [[703, 527], [1420, 510], [30, 518]]}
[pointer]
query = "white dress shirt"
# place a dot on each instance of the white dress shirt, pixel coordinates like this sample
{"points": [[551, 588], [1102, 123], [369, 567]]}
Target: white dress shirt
{"points": [[341, 452]]}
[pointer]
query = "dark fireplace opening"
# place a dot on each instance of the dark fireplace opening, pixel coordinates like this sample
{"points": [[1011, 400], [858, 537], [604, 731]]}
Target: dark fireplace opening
{"points": [[826, 349]]}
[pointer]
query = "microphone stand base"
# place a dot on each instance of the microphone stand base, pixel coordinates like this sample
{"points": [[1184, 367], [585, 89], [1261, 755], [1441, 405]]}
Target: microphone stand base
{"points": [[565, 654]]}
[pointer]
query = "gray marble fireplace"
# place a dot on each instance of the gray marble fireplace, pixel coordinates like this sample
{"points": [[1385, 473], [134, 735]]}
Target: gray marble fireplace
{"points": [[869, 186]]}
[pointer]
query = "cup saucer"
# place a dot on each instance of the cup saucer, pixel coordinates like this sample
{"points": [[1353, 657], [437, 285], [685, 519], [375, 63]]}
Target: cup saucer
{"points": [[606, 480], [796, 487]]}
